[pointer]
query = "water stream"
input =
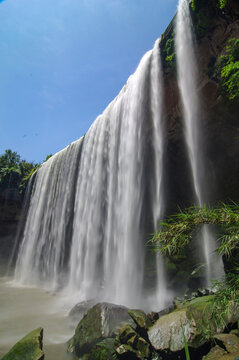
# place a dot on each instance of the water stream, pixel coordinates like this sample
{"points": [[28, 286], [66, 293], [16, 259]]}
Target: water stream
{"points": [[187, 82]]}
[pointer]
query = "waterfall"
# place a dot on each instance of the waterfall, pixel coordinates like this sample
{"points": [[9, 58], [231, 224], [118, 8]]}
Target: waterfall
{"points": [[158, 202], [85, 226], [187, 81], [43, 252]]}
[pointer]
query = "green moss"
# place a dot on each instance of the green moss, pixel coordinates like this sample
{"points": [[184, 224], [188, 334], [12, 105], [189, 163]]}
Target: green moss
{"points": [[104, 350], [28, 348], [227, 70], [222, 4], [193, 5], [170, 52]]}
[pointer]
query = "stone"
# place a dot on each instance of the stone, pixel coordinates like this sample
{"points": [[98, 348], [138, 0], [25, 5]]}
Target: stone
{"points": [[28, 348], [235, 332], [140, 319], [102, 321], [104, 350], [194, 318], [126, 333], [130, 344], [215, 353], [79, 311], [167, 332], [125, 351], [229, 341]]}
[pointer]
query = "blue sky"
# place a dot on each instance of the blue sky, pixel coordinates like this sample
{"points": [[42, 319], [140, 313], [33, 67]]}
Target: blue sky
{"points": [[63, 61]]}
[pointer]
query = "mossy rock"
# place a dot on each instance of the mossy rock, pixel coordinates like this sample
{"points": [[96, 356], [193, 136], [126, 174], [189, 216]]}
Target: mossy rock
{"points": [[194, 318], [140, 318], [104, 350], [28, 348], [102, 321]]}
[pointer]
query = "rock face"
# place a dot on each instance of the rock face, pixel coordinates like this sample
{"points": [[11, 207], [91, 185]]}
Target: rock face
{"points": [[102, 321], [28, 348], [219, 117], [10, 210]]}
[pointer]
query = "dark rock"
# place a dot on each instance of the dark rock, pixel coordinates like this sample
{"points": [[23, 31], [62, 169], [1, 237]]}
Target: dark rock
{"points": [[28, 348], [130, 345], [140, 319], [102, 321]]}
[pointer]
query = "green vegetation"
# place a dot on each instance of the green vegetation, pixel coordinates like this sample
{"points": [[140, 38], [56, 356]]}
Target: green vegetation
{"points": [[15, 172], [169, 51], [177, 232], [28, 348], [185, 346], [227, 70], [221, 4]]}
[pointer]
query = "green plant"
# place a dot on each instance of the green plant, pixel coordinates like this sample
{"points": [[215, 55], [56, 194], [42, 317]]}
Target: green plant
{"points": [[185, 345], [170, 51], [14, 172], [177, 232], [193, 5], [227, 70], [221, 4]]}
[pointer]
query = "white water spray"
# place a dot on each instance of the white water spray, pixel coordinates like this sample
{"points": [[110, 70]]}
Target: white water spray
{"points": [[187, 81], [100, 253]]}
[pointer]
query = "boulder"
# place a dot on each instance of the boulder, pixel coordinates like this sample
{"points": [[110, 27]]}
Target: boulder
{"points": [[102, 321], [167, 332], [28, 348], [194, 319], [79, 311]]}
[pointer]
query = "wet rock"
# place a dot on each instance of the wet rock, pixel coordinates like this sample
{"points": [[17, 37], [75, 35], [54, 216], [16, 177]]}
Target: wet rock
{"points": [[229, 341], [140, 319], [102, 321], [79, 310], [28, 348], [130, 345]]}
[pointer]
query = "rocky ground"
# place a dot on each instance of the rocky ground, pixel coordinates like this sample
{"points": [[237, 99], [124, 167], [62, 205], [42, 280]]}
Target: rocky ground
{"points": [[111, 332]]}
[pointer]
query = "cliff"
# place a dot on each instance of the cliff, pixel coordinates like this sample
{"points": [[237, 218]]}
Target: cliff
{"points": [[214, 27]]}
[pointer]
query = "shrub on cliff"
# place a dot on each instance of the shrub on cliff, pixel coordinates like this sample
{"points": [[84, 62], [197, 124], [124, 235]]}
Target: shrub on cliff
{"points": [[14, 172], [228, 70]]}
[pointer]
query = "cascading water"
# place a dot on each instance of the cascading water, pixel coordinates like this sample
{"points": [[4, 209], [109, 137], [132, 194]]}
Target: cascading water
{"points": [[187, 81], [84, 228], [47, 233], [158, 203]]}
